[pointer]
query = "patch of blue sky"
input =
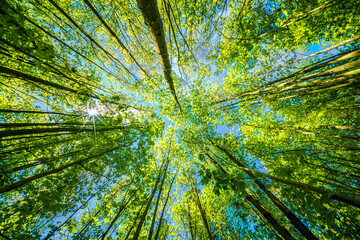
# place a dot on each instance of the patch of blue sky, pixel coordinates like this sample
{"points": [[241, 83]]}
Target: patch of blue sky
{"points": [[223, 129], [166, 121]]}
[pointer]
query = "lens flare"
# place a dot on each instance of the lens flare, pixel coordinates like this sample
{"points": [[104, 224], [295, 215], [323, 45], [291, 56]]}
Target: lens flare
{"points": [[92, 112]]}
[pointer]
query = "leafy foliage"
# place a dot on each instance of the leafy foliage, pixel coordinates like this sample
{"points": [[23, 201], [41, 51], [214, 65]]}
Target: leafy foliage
{"points": [[179, 119]]}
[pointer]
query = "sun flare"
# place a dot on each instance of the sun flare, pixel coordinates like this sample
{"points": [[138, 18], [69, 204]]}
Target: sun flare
{"points": [[92, 112]]}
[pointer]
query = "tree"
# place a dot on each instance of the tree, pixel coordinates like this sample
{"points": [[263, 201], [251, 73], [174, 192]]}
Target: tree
{"points": [[112, 118]]}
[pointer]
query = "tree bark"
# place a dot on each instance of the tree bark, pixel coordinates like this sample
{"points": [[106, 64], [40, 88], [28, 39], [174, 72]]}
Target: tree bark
{"points": [[142, 220], [266, 214], [157, 202], [133, 224], [114, 35], [20, 132], [88, 36], [122, 207], [295, 221], [47, 173], [269, 217], [335, 196], [40, 112], [151, 14], [201, 209], [36, 79], [163, 210]]}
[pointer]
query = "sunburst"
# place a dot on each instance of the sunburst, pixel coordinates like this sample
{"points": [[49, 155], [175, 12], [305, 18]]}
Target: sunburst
{"points": [[92, 112]]}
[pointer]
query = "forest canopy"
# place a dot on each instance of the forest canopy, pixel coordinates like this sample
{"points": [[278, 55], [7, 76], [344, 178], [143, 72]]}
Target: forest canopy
{"points": [[179, 119]]}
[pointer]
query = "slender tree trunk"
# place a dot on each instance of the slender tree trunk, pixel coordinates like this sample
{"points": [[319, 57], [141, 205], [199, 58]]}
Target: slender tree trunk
{"points": [[189, 222], [40, 112], [13, 151], [165, 232], [114, 35], [35, 79], [47, 173], [267, 215], [122, 207], [157, 202], [333, 195], [330, 71], [201, 209], [23, 124], [19, 132], [55, 70], [88, 36], [163, 210], [314, 54], [35, 138], [33, 164], [267, 224], [295, 221], [56, 229], [74, 50], [142, 220], [309, 87], [93, 217], [307, 70], [4, 236], [133, 224]]}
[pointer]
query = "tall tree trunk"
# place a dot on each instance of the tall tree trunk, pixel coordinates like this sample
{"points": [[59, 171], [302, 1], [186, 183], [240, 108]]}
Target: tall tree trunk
{"points": [[133, 224], [38, 162], [295, 221], [163, 210], [269, 217], [121, 209], [24, 124], [114, 35], [266, 214], [93, 217], [14, 151], [40, 112], [35, 138], [332, 195], [56, 229], [201, 209], [330, 71], [34, 79], [20, 132], [74, 50], [142, 220], [314, 54], [4, 236], [151, 14], [157, 202], [267, 224], [88, 36], [20, 183]]}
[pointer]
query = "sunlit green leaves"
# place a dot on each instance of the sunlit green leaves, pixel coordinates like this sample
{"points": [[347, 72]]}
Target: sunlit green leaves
{"points": [[235, 66]]}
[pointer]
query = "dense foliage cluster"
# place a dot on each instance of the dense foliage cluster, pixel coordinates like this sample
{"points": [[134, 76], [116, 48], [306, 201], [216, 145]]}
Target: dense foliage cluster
{"points": [[179, 119]]}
